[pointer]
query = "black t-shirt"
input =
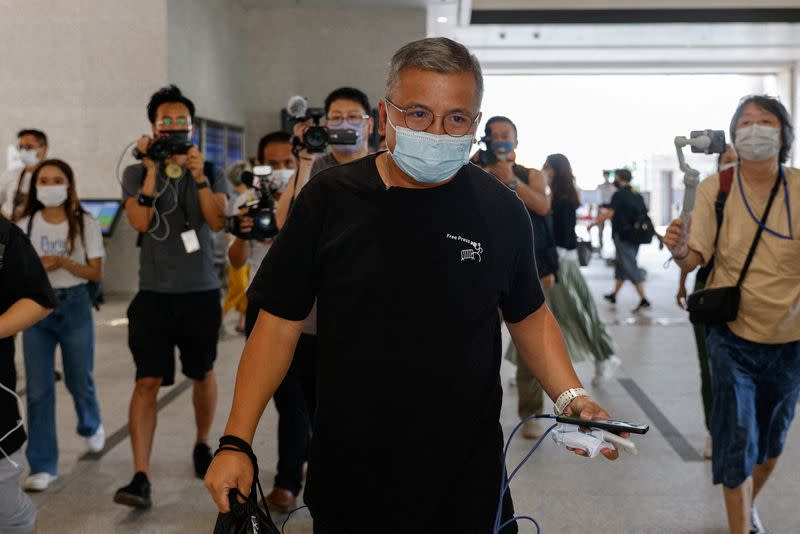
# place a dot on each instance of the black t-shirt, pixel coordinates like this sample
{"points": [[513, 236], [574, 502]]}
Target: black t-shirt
{"points": [[543, 243], [564, 221], [627, 206], [408, 285], [22, 276]]}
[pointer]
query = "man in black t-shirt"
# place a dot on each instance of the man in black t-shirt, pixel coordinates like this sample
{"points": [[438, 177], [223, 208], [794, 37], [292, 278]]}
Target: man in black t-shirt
{"points": [[626, 206], [410, 254], [25, 298]]}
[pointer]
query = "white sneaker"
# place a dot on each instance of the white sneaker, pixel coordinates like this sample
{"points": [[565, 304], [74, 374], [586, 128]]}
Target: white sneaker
{"points": [[755, 522], [97, 441], [605, 369], [708, 452], [532, 429], [38, 481]]}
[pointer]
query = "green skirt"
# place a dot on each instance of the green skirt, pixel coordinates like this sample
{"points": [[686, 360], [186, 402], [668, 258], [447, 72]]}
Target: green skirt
{"points": [[573, 306]]}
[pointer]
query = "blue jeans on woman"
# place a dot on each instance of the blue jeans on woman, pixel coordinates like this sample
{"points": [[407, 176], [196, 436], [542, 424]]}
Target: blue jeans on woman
{"points": [[71, 325]]}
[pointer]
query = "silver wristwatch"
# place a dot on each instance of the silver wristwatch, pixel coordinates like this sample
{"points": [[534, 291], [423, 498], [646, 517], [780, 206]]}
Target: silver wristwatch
{"points": [[514, 183], [567, 397]]}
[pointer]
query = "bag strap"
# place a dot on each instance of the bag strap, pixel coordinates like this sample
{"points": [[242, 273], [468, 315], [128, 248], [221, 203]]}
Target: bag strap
{"points": [[760, 230], [725, 182]]}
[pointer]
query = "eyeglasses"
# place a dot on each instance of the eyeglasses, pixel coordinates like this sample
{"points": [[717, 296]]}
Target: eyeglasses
{"points": [[167, 122], [419, 119], [353, 118]]}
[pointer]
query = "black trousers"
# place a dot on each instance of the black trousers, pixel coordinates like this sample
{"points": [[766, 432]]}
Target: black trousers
{"points": [[295, 400]]}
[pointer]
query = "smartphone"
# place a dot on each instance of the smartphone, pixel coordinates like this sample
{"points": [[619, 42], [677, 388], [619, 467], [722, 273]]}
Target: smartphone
{"points": [[611, 425], [717, 144]]}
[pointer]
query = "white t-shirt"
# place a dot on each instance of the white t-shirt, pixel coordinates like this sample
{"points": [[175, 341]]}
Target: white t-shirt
{"points": [[8, 188], [256, 250], [51, 240]]}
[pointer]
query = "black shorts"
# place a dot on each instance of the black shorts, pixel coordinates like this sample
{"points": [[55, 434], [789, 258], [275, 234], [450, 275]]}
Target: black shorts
{"points": [[158, 322]]}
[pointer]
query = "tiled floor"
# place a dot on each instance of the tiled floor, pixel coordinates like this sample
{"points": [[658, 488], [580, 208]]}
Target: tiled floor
{"points": [[656, 491]]}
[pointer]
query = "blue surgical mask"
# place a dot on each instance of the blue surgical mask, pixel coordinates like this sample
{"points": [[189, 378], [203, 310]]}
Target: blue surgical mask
{"points": [[429, 158], [501, 149]]}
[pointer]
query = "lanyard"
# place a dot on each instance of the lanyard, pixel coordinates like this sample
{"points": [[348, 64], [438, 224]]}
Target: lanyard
{"points": [[782, 176]]}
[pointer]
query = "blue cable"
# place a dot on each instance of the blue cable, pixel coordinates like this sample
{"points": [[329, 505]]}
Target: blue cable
{"points": [[785, 197], [506, 480]]}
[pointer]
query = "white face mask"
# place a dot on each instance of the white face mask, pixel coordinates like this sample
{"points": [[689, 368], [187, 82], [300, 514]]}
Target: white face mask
{"points": [[757, 142], [51, 195], [726, 166], [29, 157]]}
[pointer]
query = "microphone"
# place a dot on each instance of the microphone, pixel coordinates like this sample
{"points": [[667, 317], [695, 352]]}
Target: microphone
{"points": [[297, 106]]}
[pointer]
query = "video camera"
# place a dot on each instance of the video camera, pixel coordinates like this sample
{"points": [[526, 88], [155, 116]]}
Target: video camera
{"points": [[168, 143], [317, 138], [494, 151], [261, 210]]}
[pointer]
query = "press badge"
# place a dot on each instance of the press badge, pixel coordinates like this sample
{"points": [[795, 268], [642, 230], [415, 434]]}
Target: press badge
{"points": [[190, 241]]}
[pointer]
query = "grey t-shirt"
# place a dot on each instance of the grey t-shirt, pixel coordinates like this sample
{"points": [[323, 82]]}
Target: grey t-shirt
{"points": [[164, 264]]}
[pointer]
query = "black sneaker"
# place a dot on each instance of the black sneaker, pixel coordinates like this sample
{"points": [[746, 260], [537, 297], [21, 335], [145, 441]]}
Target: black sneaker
{"points": [[202, 459], [643, 305], [136, 494], [611, 297]]}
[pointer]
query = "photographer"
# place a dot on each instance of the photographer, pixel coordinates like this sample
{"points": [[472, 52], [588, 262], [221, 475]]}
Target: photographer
{"points": [[530, 185], [345, 107], [14, 184], [409, 321], [755, 358], [25, 298], [175, 203], [294, 398]]}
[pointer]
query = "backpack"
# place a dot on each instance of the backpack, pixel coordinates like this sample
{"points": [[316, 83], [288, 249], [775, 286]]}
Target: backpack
{"points": [[725, 182], [641, 230], [95, 289]]}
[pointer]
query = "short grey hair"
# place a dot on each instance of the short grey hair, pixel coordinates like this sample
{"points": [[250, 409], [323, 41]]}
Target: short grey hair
{"points": [[436, 54]]}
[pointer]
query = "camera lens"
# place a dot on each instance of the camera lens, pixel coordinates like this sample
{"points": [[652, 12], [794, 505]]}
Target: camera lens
{"points": [[316, 138]]}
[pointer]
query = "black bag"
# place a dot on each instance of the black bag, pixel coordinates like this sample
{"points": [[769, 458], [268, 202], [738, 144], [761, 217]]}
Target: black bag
{"points": [[720, 305], [584, 252], [641, 230], [246, 517]]}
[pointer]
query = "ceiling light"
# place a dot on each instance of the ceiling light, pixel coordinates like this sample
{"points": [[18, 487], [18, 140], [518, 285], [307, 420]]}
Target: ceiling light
{"points": [[441, 20]]}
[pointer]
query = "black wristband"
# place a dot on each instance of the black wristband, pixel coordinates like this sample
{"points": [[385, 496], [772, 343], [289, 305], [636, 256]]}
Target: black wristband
{"points": [[201, 185], [229, 442], [145, 200]]}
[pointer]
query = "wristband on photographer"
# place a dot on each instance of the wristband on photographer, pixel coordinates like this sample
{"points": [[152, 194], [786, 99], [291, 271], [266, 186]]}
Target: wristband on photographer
{"points": [[566, 398], [145, 200], [683, 257]]}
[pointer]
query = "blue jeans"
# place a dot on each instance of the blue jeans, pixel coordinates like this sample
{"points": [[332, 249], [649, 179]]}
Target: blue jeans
{"points": [[71, 325], [755, 388]]}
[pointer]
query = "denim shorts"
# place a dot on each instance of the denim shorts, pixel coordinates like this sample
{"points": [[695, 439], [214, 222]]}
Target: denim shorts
{"points": [[755, 390]]}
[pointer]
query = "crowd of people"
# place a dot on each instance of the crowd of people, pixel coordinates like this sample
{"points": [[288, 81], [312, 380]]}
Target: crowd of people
{"points": [[500, 232]]}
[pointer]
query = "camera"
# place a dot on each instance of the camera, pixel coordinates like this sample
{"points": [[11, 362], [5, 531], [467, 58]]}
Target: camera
{"points": [[494, 151], [261, 210], [317, 138], [714, 145], [168, 143]]}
